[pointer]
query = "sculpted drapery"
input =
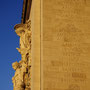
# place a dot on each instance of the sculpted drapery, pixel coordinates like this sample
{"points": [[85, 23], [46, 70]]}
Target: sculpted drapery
{"points": [[22, 77]]}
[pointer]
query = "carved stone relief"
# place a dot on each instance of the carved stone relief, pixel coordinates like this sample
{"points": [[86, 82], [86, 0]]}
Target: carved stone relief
{"points": [[22, 77]]}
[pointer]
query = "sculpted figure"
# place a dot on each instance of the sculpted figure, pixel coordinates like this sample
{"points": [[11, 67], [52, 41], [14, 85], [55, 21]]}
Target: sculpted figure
{"points": [[22, 77], [25, 41], [25, 35], [18, 79]]}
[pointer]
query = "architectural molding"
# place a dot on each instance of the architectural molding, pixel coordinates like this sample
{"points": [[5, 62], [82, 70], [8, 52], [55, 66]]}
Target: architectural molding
{"points": [[26, 10]]}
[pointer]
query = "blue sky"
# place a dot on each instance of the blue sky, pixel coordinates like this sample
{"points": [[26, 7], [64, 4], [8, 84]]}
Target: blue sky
{"points": [[10, 14]]}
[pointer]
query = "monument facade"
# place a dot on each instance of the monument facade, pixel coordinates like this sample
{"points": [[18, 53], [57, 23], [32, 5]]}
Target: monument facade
{"points": [[55, 46]]}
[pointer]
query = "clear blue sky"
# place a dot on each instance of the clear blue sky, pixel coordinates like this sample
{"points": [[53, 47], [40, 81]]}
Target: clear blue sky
{"points": [[10, 14]]}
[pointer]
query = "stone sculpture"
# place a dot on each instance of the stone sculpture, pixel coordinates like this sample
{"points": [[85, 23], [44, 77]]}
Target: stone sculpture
{"points": [[22, 77]]}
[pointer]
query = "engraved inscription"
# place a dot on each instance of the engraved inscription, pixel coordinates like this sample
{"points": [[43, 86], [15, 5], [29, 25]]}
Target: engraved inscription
{"points": [[66, 45], [74, 87], [79, 75]]}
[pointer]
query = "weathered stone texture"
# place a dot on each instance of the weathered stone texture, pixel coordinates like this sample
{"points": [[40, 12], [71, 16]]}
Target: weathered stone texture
{"points": [[61, 47], [22, 77], [65, 45]]}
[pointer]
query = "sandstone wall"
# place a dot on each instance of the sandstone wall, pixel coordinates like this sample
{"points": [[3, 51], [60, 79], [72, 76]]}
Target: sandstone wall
{"points": [[58, 47], [65, 45]]}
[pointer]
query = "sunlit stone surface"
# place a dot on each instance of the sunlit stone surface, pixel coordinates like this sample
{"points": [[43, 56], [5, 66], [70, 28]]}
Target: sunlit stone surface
{"points": [[66, 45], [22, 77], [60, 49]]}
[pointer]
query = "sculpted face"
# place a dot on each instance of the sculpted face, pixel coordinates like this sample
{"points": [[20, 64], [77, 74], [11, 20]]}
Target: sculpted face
{"points": [[20, 31], [15, 65]]}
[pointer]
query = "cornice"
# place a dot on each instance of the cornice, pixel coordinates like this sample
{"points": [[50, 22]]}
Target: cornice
{"points": [[26, 10]]}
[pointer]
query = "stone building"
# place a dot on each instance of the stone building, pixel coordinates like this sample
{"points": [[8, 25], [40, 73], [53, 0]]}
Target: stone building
{"points": [[55, 46]]}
